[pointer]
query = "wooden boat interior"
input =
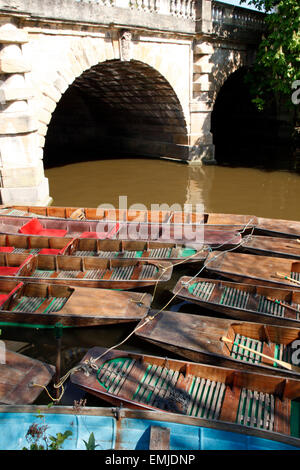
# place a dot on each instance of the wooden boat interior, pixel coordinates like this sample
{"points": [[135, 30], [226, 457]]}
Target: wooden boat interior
{"points": [[135, 249], [261, 299], [195, 333], [35, 298], [34, 244], [130, 215], [78, 267], [199, 390], [56, 227]]}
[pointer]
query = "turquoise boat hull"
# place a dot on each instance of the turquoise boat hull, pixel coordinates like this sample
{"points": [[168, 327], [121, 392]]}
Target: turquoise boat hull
{"points": [[131, 431]]}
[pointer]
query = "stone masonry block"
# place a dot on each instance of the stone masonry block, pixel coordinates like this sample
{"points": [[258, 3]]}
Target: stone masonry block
{"points": [[33, 195], [13, 36], [15, 94], [204, 48], [15, 123], [44, 116], [24, 176], [14, 66]]}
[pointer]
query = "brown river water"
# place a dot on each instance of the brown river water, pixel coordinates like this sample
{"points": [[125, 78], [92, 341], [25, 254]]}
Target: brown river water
{"points": [[258, 192]]}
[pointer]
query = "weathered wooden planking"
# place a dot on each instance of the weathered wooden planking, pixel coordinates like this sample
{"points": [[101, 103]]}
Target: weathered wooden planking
{"points": [[198, 338], [278, 227], [17, 376], [159, 438], [271, 246], [177, 388], [251, 311], [81, 306], [83, 271], [246, 268]]}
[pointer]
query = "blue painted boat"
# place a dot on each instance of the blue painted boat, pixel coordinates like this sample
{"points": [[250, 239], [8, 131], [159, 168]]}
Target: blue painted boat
{"points": [[123, 429]]}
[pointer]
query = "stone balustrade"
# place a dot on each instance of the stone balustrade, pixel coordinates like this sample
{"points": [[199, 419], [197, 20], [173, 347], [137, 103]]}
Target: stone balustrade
{"points": [[218, 13], [229, 15], [179, 8]]}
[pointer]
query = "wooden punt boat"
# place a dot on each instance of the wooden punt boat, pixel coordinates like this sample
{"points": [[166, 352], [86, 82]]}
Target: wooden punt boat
{"points": [[271, 246], [49, 227], [267, 270], [254, 303], [244, 398], [278, 227], [124, 429], [84, 271], [116, 249], [199, 338], [26, 303], [166, 232], [17, 374], [232, 221]]}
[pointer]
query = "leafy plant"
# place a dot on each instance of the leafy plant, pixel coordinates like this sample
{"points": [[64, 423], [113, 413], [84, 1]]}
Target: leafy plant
{"points": [[91, 444], [37, 438], [277, 63]]}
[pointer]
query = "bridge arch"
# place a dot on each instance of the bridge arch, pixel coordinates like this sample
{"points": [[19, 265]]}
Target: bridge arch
{"points": [[140, 79], [116, 108], [242, 135]]}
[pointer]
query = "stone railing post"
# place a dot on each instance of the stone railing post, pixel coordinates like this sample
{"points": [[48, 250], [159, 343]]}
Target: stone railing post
{"points": [[203, 16]]}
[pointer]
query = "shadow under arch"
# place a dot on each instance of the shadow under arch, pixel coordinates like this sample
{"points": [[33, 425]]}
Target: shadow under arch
{"points": [[242, 135], [116, 109]]}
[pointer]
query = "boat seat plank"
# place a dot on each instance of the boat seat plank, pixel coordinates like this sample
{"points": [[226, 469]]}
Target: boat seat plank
{"points": [[282, 416], [230, 404], [159, 438]]}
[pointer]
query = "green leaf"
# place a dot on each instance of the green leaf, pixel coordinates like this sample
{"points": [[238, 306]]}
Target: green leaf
{"points": [[91, 444]]}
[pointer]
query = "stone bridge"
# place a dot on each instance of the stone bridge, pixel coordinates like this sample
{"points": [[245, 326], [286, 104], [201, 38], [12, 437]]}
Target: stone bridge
{"points": [[138, 77]]}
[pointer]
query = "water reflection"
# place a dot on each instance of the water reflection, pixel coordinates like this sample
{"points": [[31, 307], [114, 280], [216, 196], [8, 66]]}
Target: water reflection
{"points": [[145, 181]]}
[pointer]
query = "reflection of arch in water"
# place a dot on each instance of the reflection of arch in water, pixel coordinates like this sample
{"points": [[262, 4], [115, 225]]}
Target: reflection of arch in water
{"points": [[242, 135], [116, 108]]}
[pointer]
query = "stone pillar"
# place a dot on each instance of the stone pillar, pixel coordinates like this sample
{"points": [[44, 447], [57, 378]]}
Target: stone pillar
{"points": [[21, 170], [203, 16], [200, 139]]}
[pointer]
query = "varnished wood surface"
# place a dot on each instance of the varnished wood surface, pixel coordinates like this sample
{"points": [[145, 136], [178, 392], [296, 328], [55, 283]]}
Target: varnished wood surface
{"points": [[249, 313], [290, 228], [271, 246], [198, 338], [233, 379], [28, 264], [83, 307], [17, 375], [249, 268]]}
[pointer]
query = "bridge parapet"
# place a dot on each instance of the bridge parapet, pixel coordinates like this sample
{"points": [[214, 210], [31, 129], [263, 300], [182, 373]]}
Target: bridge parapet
{"points": [[236, 22], [188, 16], [178, 8]]}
